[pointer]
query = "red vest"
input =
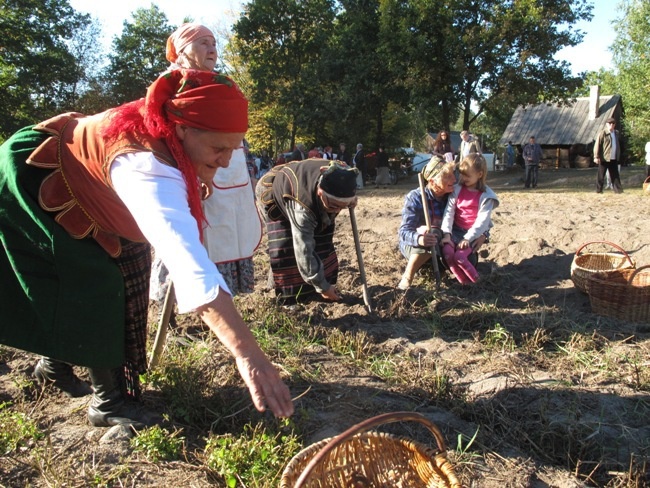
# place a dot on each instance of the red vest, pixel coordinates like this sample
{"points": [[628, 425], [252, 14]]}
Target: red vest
{"points": [[79, 189]]}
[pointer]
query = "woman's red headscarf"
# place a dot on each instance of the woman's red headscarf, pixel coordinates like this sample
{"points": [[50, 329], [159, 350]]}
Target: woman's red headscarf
{"points": [[199, 99]]}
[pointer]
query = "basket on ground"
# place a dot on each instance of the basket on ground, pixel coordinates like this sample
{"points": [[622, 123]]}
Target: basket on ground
{"points": [[646, 186], [360, 457], [588, 263], [622, 293]]}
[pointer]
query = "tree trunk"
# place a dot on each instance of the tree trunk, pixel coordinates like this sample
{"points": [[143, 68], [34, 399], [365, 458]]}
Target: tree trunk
{"points": [[446, 114], [380, 129]]}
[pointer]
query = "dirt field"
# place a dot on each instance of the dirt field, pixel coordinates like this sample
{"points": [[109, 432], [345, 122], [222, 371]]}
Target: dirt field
{"points": [[551, 394]]}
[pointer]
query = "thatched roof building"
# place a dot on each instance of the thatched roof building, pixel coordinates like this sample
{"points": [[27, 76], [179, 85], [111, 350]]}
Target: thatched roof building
{"points": [[565, 132]]}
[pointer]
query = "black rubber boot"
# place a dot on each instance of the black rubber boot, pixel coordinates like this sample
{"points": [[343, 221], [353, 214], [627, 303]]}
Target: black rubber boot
{"points": [[110, 407], [61, 376]]}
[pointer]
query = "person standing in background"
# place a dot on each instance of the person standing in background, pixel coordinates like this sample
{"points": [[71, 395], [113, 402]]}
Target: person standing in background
{"points": [[510, 155], [442, 146], [467, 146], [359, 162], [265, 162], [383, 168], [532, 156], [298, 153], [234, 228], [647, 159], [607, 154], [343, 154], [327, 153]]}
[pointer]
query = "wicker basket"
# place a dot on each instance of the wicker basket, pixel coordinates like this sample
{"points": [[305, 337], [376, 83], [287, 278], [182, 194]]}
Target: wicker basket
{"points": [[360, 458], [586, 264], [623, 293], [646, 186]]}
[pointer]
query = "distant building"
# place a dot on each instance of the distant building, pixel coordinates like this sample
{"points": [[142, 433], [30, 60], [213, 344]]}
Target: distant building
{"points": [[566, 132]]}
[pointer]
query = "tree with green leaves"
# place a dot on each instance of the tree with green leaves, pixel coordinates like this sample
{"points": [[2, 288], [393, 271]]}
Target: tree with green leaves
{"points": [[38, 71], [281, 42], [422, 60], [631, 51], [473, 54], [138, 55], [87, 95], [364, 85]]}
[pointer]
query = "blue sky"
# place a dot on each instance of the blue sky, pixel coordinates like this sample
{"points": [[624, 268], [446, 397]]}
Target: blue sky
{"points": [[591, 54]]}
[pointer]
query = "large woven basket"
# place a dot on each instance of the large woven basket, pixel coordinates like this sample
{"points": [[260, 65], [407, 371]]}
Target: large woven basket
{"points": [[360, 458], [622, 293], [588, 263], [646, 186]]}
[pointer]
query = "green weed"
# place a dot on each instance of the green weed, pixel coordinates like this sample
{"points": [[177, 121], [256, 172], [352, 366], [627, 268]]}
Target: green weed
{"points": [[384, 367], [16, 430], [255, 458], [158, 444], [499, 338], [463, 454]]}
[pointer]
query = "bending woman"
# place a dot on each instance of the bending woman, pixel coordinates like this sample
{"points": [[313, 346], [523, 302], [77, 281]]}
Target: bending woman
{"points": [[82, 198]]}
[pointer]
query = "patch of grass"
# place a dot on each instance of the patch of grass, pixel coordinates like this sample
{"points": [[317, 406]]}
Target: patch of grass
{"points": [[17, 430], [439, 385], [385, 367], [640, 370], [158, 444], [499, 338], [589, 352], [57, 468], [534, 343], [185, 377], [353, 345], [463, 453], [283, 336], [255, 458]]}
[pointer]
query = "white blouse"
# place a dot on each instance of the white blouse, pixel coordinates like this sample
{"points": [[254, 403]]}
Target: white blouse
{"points": [[156, 196]]}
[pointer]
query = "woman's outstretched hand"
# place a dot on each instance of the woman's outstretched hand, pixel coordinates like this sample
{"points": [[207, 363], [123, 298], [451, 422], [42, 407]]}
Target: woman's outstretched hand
{"points": [[260, 375], [265, 385]]}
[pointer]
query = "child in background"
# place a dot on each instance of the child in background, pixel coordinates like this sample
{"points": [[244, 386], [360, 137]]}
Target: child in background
{"points": [[467, 216]]}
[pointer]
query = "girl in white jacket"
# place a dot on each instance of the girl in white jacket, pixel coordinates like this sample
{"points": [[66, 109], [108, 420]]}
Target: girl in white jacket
{"points": [[467, 216]]}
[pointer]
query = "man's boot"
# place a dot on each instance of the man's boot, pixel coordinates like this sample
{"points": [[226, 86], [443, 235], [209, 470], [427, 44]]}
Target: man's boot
{"points": [[61, 376], [110, 407]]}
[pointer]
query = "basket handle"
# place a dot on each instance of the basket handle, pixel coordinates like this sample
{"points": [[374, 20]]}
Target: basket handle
{"points": [[615, 246], [387, 418], [631, 278]]}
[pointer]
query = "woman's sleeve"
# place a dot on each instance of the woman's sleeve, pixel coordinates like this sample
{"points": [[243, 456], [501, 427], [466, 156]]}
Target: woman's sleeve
{"points": [[156, 196], [410, 221], [309, 264]]}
